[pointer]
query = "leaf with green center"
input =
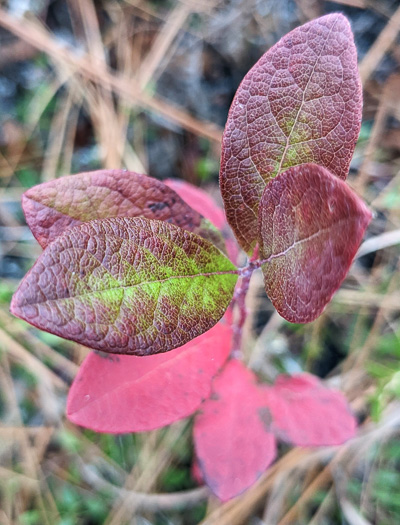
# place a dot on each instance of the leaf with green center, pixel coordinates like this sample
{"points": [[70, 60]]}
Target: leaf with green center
{"points": [[300, 103], [52, 207], [310, 227], [127, 285], [149, 392]]}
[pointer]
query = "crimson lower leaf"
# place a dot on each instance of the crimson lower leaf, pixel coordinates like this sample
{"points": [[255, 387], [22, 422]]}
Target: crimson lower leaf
{"points": [[232, 438], [306, 413], [137, 394]]}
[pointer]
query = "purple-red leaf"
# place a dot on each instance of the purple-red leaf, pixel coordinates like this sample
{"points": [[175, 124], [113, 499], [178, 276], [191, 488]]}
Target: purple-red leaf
{"points": [[52, 207], [300, 103], [130, 286], [231, 434], [306, 413], [310, 227], [134, 394]]}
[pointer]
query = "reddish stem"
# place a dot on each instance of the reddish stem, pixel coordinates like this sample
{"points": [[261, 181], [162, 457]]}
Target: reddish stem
{"points": [[240, 300]]}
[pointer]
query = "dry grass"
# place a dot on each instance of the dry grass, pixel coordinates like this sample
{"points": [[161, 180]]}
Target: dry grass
{"points": [[109, 75]]}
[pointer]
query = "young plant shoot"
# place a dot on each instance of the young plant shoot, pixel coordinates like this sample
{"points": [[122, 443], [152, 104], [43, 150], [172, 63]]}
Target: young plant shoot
{"points": [[131, 268]]}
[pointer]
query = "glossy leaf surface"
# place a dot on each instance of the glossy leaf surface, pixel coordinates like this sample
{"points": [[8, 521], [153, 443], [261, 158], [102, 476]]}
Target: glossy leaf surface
{"points": [[137, 394], [310, 227], [52, 207], [300, 103], [306, 413], [232, 439], [133, 286], [200, 201]]}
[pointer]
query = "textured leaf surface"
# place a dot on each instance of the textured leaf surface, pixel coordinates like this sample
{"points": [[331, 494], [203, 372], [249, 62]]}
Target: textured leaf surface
{"points": [[306, 413], [137, 394], [231, 433], [310, 227], [52, 207], [300, 103], [200, 201], [133, 286]]}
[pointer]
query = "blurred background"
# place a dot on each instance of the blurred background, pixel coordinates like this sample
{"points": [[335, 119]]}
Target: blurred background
{"points": [[146, 85]]}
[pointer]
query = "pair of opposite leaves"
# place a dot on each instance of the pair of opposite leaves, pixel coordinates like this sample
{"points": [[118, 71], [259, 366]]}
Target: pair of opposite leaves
{"points": [[140, 286]]}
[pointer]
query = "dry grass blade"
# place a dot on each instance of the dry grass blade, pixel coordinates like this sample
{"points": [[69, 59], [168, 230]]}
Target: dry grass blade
{"points": [[30, 457], [153, 459], [381, 46], [20, 354], [351, 514], [387, 106], [166, 36], [389, 302], [126, 88], [57, 134], [379, 242], [142, 502], [361, 4], [42, 350]]}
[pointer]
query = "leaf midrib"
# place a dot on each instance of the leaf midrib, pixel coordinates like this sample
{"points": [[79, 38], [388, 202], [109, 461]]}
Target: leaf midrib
{"points": [[309, 238], [303, 100], [143, 283]]}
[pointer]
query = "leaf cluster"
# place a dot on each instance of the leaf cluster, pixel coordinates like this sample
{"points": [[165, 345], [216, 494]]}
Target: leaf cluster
{"points": [[131, 267]]}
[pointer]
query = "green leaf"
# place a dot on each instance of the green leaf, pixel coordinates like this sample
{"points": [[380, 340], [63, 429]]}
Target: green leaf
{"points": [[127, 285]]}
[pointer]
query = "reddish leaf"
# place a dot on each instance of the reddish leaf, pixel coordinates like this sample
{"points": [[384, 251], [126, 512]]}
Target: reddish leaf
{"points": [[300, 103], [137, 394], [200, 201], [231, 434], [311, 225], [306, 413], [124, 285], [196, 472], [52, 207]]}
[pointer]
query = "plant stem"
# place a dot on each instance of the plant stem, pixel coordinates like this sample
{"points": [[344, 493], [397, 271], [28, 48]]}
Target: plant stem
{"points": [[240, 300]]}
